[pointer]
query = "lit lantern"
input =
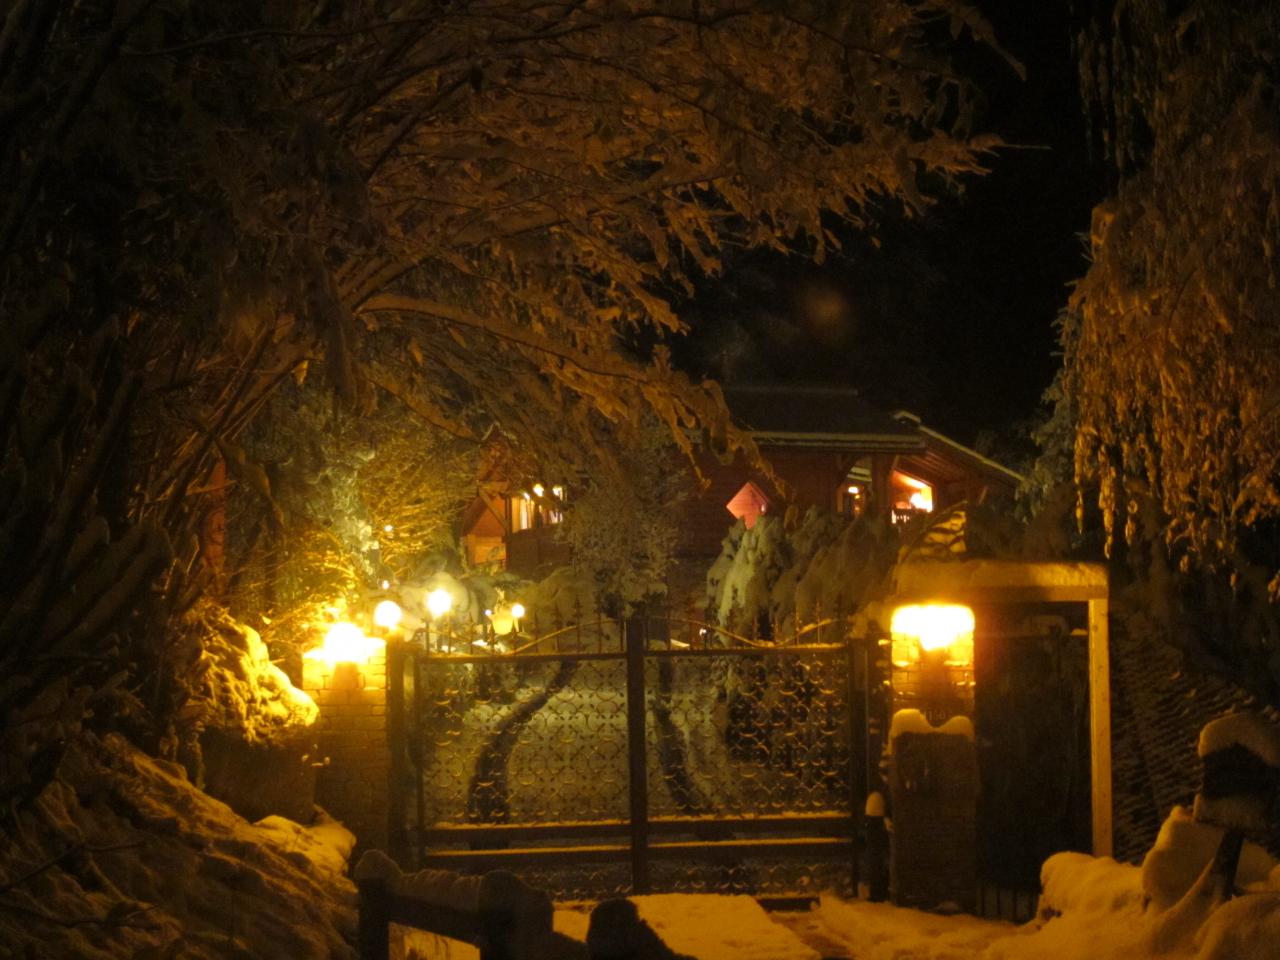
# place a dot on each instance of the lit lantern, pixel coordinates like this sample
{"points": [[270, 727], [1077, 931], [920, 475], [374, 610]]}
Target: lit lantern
{"points": [[925, 629], [538, 490], [387, 614], [517, 611], [439, 602], [345, 643]]}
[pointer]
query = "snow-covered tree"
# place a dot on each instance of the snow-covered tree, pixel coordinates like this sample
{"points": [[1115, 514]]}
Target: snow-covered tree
{"points": [[481, 210], [1171, 350], [1171, 347]]}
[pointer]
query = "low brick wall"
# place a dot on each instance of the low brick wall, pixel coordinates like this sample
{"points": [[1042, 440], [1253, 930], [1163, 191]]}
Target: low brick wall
{"points": [[352, 738]]}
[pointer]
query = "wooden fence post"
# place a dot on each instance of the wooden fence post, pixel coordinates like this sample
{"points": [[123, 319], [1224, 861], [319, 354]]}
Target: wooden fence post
{"points": [[374, 931]]}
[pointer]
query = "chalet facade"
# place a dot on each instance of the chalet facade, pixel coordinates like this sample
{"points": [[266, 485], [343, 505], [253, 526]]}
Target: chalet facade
{"points": [[825, 447]]}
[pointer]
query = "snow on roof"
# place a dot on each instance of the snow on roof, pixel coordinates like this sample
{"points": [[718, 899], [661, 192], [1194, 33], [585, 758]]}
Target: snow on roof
{"points": [[1249, 730], [813, 410]]}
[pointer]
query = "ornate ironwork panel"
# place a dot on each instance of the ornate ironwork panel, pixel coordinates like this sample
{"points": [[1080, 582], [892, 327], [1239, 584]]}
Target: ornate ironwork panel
{"points": [[524, 761], [752, 732]]}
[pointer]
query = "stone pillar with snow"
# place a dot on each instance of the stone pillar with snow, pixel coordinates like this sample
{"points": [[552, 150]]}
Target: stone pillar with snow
{"points": [[933, 785], [352, 781]]}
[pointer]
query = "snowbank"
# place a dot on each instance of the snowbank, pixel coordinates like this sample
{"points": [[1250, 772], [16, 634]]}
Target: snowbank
{"points": [[1091, 909], [120, 856], [1182, 850], [242, 691]]}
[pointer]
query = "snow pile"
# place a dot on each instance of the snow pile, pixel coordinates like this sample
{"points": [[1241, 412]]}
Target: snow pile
{"points": [[120, 856], [1181, 852], [1248, 730], [1091, 909], [242, 692], [878, 931]]}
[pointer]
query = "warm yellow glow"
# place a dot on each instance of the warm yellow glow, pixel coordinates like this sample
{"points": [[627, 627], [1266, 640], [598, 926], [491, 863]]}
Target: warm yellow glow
{"points": [[912, 482], [922, 500], [345, 643], [388, 528], [558, 492], [439, 602], [854, 488], [539, 489], [517, 610], [387, 614], [929, 627]]}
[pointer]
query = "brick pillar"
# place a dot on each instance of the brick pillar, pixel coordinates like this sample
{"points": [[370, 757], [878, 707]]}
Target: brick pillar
{"points": [[352, 735], [934, 793]]}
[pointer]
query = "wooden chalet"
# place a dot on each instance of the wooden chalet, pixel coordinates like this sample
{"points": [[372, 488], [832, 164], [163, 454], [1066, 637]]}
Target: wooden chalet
{"points": [[827, 448]]}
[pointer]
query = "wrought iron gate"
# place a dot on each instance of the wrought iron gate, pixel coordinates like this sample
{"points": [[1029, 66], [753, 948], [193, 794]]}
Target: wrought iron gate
{"points": [[615, 757]]}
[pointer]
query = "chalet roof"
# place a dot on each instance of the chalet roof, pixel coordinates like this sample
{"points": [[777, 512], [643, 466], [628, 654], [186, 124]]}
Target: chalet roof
{"points": [[837, 418], [816, 415]]}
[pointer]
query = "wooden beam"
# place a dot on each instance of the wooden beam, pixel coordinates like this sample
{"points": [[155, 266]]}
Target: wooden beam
{"points": [[1100, 726]]}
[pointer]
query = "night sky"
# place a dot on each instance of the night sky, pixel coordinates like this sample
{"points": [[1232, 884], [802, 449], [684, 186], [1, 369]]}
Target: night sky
{"points": [[952, 315]]}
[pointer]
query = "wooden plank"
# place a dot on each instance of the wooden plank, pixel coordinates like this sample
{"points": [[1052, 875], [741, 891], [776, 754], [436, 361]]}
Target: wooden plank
{"points": [[721, 850], [442, 920], [712, 851], [835, 823], [529, 856], [1100, 726]]}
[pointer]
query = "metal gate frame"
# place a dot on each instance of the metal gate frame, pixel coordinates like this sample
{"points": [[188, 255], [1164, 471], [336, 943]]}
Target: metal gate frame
{"points": [[641, 838]]}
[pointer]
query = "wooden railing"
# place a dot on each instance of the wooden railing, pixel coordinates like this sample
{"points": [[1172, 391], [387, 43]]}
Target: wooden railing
{"points": [[497, 912]]}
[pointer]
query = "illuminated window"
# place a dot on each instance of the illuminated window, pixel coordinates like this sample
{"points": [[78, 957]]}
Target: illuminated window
{"points": [[853, 499], [909, 496], [747, 504], [522, 512]]}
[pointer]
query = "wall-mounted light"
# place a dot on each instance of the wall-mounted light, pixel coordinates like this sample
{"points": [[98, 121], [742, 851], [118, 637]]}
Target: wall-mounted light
{"points": [[345, 643], [387, 614], [439, 602], [932, 629]]}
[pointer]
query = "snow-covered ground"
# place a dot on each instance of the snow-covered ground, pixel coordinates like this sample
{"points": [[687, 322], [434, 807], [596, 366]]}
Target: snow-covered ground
{"points": [[1091, 909]]}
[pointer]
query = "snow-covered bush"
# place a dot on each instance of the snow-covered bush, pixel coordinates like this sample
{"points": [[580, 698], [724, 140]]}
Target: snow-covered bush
{"points": [[787, 577]]}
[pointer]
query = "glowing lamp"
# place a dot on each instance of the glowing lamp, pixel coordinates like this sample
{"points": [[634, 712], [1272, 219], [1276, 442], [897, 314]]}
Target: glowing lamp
{"points": [[517, 610], [345, 643], [387, 614], [924, 628], [539, 489], [439, 602]]}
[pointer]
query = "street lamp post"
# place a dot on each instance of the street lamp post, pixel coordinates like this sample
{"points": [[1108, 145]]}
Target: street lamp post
{"points": [[439, 603]]}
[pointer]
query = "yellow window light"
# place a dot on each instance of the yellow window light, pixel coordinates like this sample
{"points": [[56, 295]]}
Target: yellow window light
{"points": [[927, 627], [387, 614], [345, 643]]}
